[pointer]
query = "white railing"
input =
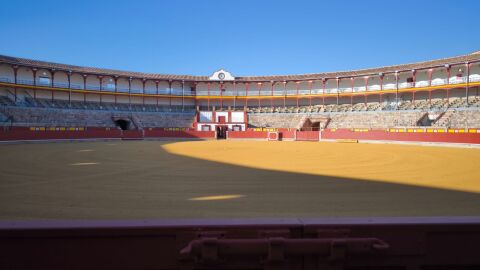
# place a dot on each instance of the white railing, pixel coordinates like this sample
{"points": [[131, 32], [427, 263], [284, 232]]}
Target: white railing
{"points": [[92, 87], [331, 90], [241, 93], [27, 82], [405, 85], [359, 89], [76, 86], [421, 84], [60, 85], [474, 78], [164, 91], [136, 91], [454, 80], [291, 92], [304, 92], [228, 93], [278, 93], [40, 83], [439, 81], [3, 79], [389, 86]]}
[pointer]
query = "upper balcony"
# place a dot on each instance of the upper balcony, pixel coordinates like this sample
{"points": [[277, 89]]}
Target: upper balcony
{"points": [[426, 75]]}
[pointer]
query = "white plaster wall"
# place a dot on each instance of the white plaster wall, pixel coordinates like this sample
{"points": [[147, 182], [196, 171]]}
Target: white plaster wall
{"points": [[25, 75], [108, 84], [137, 86], [421, 79], [60, 79], [93, 83], [122, 85], [317, 87], [218, 114], [6, 73], [150, 87], [205, 116], [43, 73], [475, 72], [374, 83], [163, 88], [76, 81], [331, 86]]}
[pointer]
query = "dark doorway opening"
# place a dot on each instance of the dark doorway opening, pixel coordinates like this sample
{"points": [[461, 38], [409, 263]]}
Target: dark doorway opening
{"points": [[316, 126], [122, 124], [221, 132]]}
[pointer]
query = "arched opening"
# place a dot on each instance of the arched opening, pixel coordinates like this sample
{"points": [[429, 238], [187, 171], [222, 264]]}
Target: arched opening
{"points": [[122, 124], [315, 126]]}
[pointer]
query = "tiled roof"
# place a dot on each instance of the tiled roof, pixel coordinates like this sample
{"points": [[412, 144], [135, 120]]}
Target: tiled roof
{"points": [[314, 76]]}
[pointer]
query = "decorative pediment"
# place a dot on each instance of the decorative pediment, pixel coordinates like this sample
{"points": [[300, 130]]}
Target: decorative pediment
{"points": [[221, 75]]}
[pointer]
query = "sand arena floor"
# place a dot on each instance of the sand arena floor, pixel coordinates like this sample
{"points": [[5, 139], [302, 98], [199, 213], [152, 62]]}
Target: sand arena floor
{"points": [[212, 179]]}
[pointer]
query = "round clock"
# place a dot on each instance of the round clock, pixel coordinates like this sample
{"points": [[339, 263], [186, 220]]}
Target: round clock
{"points": [[221, 75]]}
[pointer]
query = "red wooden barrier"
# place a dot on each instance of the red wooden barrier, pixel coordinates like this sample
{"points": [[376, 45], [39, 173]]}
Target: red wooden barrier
{"points": [[160, 133], [307, 135], [403, 136], [132, 134], [247, 134], [24, 133], [287, 135]]}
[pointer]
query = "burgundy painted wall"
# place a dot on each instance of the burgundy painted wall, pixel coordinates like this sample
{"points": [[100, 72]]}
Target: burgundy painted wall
{"points": [[403, 136], [160, 133], [247, 135], [307, 135], [24, 133]]}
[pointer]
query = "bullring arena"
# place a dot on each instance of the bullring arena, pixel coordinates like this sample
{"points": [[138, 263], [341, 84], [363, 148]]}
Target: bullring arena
{"points": [[106, 144]]}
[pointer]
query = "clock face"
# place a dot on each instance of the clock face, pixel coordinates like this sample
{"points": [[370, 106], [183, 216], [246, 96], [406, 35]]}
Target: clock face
{"points": [[221, 75]]}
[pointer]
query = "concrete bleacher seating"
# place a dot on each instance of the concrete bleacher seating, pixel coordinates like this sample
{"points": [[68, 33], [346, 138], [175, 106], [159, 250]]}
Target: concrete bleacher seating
{"points": [[57, 112], [459, 119], [374, 120], [341, 119], [275, 120], [51, 117], [65, 104]]}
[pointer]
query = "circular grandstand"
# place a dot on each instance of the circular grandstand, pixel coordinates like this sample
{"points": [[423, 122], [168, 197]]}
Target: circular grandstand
{"points": [[435, 100]]}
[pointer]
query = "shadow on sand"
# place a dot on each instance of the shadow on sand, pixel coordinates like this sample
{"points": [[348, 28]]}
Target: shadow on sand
{"points": [[140, 180]]}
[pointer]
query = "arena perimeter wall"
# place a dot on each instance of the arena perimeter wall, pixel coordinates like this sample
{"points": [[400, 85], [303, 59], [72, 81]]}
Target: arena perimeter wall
{"points": [[28, 134], [365, 134], [40, 133], [471, 138]]}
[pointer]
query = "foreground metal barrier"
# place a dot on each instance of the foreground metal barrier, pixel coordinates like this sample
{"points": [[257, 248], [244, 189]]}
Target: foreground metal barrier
{"points": [[347, 243]]}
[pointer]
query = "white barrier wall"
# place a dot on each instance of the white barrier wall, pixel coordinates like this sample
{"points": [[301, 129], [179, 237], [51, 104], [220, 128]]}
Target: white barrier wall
{"points": [[219, 114], [6, 73], [238, 117]]}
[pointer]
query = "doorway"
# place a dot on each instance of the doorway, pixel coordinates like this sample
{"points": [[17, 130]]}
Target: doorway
{"points": [[122, 124], [221, 132]]}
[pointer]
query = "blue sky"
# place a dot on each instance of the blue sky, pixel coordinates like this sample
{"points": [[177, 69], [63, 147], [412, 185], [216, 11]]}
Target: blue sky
{"points": [[249, 37]]}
